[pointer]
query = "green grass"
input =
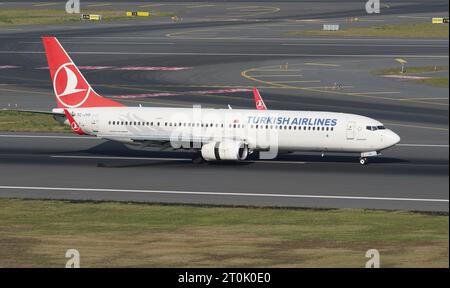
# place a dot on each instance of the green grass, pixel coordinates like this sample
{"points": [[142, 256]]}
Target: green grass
{"points": [[38, 233], [410, 70], [11, 121], [433, 81], [10, 17], [417, 30]]}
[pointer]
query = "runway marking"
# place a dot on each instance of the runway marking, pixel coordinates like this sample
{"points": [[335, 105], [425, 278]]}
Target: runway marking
{"points": [[257, 11], [278, 70], [119, 158], [424, 98], [363, 45], [49, 136], [298, 81], [129, 68], [417, 126], [151, 5], [376, 93], [167, 159], [146, 68], [413, 17], [277, 75], [201, 6], [103, 43], [208, 193], [45, 4], [81, 67], [239, 54], [323, 64], [99, 5], [8, 67], [25, 91], [275, 39], [159, 94], [425, 145], [321, 89]]}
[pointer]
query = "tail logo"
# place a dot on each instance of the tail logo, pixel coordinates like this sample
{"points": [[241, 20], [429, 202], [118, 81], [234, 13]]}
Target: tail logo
{"points": [[70, 87], [75, 126], [259, 104]]}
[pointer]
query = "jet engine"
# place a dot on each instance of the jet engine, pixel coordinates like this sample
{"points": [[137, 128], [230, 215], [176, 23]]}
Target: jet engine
{"points": [[225, 150]]}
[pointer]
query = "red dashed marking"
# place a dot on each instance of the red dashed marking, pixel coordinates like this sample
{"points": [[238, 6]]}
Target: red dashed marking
{"points": [[94, 67], [129, 68], [160, 94], [86, 67]]}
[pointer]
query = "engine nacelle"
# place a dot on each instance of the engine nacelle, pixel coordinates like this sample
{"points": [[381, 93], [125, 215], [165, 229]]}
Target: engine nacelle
{"points": [[225, 150]]}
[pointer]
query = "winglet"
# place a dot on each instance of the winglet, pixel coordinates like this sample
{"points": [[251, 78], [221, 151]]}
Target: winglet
{"points": [[260, 105], [73, 124]]}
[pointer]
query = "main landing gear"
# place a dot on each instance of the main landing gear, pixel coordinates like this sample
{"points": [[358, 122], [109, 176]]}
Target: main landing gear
{"points": [[197, 158]]}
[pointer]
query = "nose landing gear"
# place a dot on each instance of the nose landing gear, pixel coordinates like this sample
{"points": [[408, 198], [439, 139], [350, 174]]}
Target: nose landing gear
{"points": [[363, 160]]}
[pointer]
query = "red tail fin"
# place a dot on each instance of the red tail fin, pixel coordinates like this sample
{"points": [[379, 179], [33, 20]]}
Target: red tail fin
{"points": [[260, 105], [71, 88]]}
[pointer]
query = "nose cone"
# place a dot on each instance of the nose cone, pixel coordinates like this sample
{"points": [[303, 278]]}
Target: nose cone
{"points": [[392, 138]]}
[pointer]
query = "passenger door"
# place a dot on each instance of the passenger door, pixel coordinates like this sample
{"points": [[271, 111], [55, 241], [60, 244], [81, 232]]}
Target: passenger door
{"points": [[350, 130]]}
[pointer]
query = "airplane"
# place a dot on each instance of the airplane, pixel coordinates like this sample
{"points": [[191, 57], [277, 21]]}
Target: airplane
{"points": [[212, 134]]}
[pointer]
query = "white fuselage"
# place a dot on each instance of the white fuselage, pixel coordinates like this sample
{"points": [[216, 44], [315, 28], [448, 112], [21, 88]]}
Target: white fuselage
{"points": [[260, 130]]}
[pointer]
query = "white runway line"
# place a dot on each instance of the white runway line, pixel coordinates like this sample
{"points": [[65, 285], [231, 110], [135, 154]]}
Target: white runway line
{"points": [[118, 158], [164, 159], [48, 137], [424, 145], [363, 45], [277, 39], [240, 54], [105, 43], [72, 189]]}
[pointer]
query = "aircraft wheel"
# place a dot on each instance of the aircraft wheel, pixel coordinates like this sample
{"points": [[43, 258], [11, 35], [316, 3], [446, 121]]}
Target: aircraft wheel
{"points": [[363, 161], [197, 158]]}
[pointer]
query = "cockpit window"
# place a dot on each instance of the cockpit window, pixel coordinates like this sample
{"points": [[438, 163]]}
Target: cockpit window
{"points": [[375, 128]]}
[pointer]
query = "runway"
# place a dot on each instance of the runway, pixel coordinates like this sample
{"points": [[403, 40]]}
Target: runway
{"points": [[212, 58], [69, 167]]}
